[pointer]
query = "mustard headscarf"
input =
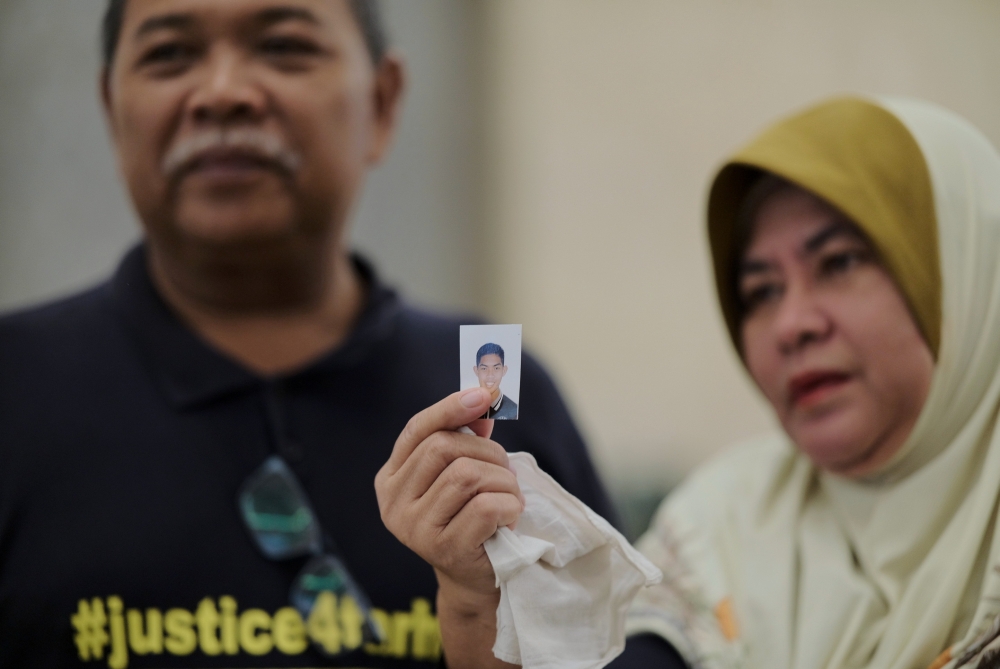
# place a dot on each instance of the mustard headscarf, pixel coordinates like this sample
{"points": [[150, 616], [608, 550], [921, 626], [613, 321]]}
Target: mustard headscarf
{"points": [[772, 563], [882, 184]]}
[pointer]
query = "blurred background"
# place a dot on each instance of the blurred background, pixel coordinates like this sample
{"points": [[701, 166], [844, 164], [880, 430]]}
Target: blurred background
{"points": [[551, 170]]}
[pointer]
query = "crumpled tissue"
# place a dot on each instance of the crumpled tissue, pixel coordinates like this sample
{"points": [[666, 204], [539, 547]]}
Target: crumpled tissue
{"points": [[566, 579]]}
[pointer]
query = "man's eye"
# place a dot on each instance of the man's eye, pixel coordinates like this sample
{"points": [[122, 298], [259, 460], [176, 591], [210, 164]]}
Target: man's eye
{"points": [[288, 46], [171, 52]]}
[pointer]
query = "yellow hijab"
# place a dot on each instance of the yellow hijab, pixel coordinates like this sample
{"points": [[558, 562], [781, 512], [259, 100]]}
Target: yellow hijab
{"points": [[772, 563]]}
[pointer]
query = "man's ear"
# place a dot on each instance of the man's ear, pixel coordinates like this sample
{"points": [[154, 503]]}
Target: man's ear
{"points": [[104, 84], [390, 84]]}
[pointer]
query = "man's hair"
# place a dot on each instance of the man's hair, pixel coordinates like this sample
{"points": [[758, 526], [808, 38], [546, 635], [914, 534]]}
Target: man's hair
{"points": [[489, 349], [366, 12]]}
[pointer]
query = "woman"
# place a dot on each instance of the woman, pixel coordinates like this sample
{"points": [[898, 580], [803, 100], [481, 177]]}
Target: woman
{"points": [[857, 261], [864, 302]]}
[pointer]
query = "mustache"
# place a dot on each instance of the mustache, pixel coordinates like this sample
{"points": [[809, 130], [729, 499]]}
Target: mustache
{"points": [[252, 142]]}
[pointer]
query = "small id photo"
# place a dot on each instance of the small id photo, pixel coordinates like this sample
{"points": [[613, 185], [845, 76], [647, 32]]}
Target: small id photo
{"points": [[491, 359]]}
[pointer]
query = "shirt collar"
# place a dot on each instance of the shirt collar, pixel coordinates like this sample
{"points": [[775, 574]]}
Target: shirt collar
{"points": [[496, 405], [190, 372]]}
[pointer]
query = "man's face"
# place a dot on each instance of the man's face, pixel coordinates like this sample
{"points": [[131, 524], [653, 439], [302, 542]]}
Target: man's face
{"points": [[246, 122], [490, 372]]}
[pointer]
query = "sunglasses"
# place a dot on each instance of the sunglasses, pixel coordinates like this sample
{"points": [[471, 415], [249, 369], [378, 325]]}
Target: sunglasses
{"points": [[284, 526]]}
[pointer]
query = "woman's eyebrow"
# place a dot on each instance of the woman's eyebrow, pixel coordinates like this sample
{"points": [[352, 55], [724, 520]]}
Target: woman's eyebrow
{"points": [[749, 267], [832, 231]]}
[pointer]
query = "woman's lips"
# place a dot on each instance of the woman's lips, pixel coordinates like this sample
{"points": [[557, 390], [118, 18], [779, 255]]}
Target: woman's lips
{"points": [[810, 388]]}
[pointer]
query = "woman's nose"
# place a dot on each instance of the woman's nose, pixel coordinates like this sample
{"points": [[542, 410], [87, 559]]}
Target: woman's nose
{"points": [[800, 320], [227, 93]]}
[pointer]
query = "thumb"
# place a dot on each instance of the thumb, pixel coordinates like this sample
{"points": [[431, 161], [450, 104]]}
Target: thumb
{"points": [[451, 413], [481, 428]]}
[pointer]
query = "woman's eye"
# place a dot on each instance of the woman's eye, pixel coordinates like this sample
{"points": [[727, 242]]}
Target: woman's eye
{"points": [[759, 295], [838, 263]]}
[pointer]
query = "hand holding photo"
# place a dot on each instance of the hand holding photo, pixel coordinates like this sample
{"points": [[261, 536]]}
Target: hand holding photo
{"points": [[490, 357]]}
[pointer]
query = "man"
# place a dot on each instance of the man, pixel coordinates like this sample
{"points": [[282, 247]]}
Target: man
{"points": [[169, 438], [490, 370]]}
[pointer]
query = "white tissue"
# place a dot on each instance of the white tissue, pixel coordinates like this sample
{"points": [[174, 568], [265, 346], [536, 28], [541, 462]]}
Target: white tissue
{"points": [[566, 579]]}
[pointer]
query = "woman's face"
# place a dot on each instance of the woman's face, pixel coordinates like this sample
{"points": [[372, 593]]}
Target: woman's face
{"points": [[828, 336]]}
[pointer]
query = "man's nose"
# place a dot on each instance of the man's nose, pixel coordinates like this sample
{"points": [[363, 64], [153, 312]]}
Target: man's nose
{"points": [[800, 319], [228, 92]]}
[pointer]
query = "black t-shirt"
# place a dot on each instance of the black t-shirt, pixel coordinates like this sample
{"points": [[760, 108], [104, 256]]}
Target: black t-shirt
{"points": [[124, 440], [648, 651]]}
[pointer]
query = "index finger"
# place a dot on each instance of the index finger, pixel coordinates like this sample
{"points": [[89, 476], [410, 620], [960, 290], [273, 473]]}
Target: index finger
{"points": [[451, 413]]}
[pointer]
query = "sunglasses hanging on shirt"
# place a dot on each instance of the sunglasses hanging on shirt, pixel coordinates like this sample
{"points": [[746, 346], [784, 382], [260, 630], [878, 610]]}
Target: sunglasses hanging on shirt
{"points": [[276, 510]]}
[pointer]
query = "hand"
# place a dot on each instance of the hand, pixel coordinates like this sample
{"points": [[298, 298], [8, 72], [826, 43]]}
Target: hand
{"points": [[443, 494]]}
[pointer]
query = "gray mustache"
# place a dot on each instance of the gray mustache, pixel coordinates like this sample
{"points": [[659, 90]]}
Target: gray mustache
{"points": [[258, 143]]}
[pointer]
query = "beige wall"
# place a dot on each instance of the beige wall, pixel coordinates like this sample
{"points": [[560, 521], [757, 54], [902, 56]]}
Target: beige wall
{"points": [[606, 120], [602, 121]]}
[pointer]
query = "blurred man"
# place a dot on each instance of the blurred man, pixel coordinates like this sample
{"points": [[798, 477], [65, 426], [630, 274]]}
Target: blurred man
{"points": [[490, 370], [187, 451]]}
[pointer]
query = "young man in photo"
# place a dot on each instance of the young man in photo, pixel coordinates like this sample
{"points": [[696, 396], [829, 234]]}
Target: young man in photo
{"points": [[490, 370]]}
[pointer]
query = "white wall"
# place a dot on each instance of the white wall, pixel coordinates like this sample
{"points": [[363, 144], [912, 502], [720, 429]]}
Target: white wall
{"points": [[607, 120], [63, 216], [564, 190], [64, 219], [421, 216]]}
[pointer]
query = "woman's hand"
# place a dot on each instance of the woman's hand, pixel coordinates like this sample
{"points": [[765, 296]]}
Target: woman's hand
{"points": [[443, 493]]}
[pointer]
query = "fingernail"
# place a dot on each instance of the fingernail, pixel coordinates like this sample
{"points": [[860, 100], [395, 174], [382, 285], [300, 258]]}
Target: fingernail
{"points": [[472, 397]]}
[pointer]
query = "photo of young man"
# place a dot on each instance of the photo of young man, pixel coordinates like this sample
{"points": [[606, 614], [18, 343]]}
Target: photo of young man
{"points": [[490, 370], [490, 358]]}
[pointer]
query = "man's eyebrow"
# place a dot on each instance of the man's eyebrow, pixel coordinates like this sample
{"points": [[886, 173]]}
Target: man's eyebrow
{"points": [[165, 21], [832, 231], [274, 15], [268, 16]]}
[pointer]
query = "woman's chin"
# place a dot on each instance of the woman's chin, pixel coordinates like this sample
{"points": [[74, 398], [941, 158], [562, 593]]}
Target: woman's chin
{"points": [[838, 442]]}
